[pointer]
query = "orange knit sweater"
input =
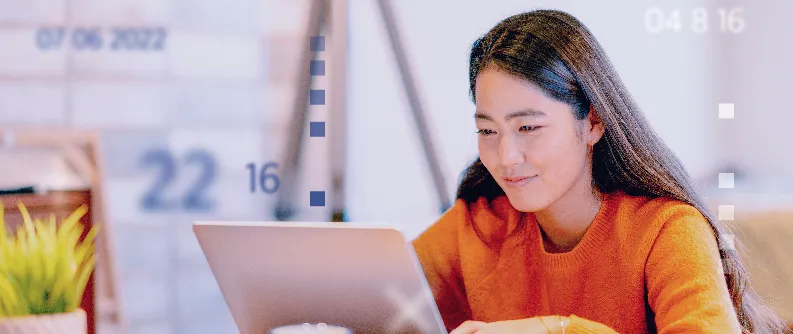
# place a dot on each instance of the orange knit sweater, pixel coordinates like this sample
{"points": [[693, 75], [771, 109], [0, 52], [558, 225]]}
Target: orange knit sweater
{"points": [[643, 266]]}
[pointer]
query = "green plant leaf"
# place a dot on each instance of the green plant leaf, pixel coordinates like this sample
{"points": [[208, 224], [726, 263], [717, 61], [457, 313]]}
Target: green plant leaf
{"points": [[82, 281], [28, 222], [44, 266], [8, 304]]}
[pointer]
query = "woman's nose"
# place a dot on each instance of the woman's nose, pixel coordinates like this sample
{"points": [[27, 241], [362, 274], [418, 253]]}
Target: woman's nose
{"points": [[509, 152]]}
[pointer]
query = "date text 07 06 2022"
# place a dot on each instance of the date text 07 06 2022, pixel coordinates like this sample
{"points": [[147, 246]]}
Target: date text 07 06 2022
{"points": [[96, 39]]}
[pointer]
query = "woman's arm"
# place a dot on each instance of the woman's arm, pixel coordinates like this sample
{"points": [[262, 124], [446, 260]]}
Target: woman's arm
{"points": [[685, 280], [438, 252], [535, 325]]}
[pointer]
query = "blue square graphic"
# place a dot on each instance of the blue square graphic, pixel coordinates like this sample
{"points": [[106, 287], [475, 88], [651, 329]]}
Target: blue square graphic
{"points": [[316, 129], [317, 67], [316, 97], [317, 198], [317, 43]]}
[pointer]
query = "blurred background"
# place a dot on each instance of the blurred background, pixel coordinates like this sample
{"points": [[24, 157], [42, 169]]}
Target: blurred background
{"points": [[191, 99]]}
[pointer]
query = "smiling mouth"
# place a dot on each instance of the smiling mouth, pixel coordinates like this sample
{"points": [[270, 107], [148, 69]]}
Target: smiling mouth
{"points": [[516, 182]]}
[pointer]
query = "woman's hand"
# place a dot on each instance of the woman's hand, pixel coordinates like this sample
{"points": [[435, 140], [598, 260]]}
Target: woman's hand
{"points": [[520, 326]]}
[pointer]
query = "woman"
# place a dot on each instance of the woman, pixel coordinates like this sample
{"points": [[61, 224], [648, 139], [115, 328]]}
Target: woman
{"points": [[576, 218]]}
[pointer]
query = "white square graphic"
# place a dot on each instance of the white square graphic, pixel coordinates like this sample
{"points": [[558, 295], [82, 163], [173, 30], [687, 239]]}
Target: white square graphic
{"points": [[726, 110], [727, 180], [726, 212]]}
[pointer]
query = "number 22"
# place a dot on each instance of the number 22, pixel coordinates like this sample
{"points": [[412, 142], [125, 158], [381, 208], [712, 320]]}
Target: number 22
{"points": [[194, 200]]}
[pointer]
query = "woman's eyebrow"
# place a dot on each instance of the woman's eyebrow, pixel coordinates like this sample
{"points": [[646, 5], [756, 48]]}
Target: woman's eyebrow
{"points": [[522, 113]]}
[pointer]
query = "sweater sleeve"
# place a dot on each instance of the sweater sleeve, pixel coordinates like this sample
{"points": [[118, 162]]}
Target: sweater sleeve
{"points": [[437, 250], [685, 279]]}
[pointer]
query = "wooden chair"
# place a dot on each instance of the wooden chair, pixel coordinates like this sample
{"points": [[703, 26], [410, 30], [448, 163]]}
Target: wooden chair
{"points": [[82, 153]]}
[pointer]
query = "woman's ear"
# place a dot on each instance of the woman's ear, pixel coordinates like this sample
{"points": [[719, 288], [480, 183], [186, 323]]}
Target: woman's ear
{"points": [[596, 127]]}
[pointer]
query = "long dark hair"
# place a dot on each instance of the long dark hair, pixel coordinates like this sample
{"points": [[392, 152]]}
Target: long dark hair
{"points": [[555, 51]]}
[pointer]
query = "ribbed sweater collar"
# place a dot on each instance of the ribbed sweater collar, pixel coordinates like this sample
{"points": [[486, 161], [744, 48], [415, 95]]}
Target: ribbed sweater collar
{"points": [[504, 219]]}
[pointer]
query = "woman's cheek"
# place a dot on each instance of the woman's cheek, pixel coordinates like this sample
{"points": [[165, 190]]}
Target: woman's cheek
{"points": [[541, 154], [486, 152], [554, 160]]}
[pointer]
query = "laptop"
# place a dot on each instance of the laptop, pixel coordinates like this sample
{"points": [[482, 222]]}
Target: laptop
{"points": [[361, 277]]}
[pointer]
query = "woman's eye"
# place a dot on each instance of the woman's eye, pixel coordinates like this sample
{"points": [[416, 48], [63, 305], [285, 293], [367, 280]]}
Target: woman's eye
{"points": [[529, 128], [485, 132]]}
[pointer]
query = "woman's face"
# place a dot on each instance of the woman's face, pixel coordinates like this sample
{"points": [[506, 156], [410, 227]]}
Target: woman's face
{"points": [[532, 144]]}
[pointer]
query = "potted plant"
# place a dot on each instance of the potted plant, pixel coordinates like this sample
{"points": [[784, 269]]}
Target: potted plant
{"points": [[44, 269]]}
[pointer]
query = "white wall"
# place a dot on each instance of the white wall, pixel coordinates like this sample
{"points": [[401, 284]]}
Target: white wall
{"points": [[758, 75]]}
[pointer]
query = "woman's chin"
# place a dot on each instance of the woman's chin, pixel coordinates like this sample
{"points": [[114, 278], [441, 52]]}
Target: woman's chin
{"points": [[525, 203]]}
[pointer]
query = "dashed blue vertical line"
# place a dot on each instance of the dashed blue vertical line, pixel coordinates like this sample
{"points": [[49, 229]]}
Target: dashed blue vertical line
{"points": [[317, 97]]}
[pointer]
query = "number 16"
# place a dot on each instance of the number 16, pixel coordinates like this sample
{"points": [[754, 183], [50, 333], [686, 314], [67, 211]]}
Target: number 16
{"points": [[263, 177]]}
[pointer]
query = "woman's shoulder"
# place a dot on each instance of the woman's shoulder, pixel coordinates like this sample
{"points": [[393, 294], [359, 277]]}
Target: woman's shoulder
{"points": [[638, 217], [651, 208]]}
